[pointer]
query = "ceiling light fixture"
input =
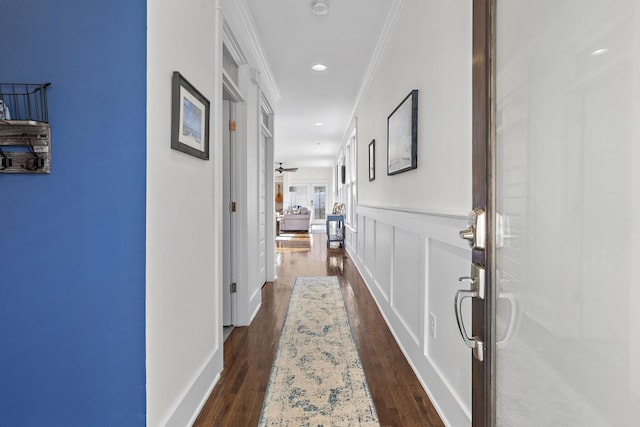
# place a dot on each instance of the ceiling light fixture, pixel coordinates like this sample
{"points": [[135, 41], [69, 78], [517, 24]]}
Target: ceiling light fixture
{"points": [[318, 124], [319, 7], [598, 52], [319, 67]]}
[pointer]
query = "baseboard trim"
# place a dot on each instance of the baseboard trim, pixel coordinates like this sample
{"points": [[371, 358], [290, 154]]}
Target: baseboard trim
{"points": [[204, 400], [192, 401]]}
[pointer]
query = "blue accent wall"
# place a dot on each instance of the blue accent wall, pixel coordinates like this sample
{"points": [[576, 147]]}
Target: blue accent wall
{"points": [[72, 243]]}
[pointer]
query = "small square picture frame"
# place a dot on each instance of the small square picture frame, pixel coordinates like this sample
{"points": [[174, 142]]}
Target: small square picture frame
{"points": [[189, 118]]}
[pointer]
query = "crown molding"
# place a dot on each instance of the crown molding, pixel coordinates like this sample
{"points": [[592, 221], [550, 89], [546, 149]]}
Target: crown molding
{"points": [[374, 61], [240, 25]]}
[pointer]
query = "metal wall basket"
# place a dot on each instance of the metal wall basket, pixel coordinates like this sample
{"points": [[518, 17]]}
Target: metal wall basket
{"points": [[25, 134]]}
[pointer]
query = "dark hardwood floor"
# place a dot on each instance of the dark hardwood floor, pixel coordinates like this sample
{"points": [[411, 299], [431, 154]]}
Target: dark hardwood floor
{"points": [[237, 399]]}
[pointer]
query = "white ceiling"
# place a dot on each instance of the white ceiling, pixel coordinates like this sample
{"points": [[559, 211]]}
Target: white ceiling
{"points": [[294, 39]]}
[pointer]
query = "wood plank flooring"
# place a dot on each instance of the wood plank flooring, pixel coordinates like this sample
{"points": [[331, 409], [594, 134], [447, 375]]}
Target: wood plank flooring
{"points": [[249, 351]]}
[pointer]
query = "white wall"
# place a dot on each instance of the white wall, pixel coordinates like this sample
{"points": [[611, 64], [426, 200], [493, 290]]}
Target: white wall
{"points": [[429, 50], [406, 242], [184, 202], [184, 309]]}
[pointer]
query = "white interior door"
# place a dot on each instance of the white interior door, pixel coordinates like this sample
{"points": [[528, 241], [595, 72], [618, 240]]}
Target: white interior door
{"points": [[227, 216], [262, 208], [568, 200], [319, 203]]}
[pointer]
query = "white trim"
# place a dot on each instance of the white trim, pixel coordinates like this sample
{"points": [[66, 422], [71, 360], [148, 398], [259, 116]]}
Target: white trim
{"points": [[380, 209], [186, 407], [374, 61], [232, 45], [238, 9], [229, 85]]}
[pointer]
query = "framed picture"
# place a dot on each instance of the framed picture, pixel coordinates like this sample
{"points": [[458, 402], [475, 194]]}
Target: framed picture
{"points": [[343, 174], [372, 160], [402, 136], [189, 119]]}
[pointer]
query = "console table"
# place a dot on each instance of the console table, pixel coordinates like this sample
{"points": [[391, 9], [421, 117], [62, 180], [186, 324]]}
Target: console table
{"points": [[335, 230]]}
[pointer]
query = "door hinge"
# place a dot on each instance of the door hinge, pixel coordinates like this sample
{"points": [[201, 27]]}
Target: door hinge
{"points": [[232, 207], [232, 125], [233, 287]]}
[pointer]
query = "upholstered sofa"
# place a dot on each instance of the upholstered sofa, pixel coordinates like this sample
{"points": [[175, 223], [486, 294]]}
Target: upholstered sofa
{"points": [[297, 218]]}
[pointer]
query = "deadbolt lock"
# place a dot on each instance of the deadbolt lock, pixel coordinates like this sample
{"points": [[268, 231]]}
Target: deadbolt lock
{"points": [[476, 232]]}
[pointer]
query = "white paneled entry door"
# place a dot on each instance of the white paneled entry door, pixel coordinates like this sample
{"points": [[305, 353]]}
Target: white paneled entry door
{"points": [[556, 171]]}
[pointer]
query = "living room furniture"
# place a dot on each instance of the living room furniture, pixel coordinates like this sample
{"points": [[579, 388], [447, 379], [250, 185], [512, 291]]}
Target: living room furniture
{"points": [[296, 219], [335, 230]]}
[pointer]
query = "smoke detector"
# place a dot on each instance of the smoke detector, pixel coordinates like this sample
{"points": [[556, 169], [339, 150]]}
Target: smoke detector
{"points": [[319, 7]]}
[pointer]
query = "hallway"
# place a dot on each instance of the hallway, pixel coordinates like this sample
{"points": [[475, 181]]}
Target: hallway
{"points": [[237, 398]]}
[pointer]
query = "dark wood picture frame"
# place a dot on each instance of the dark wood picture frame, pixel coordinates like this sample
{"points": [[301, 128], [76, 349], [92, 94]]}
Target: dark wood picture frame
{"points": [[189, 118], [402, 136], [372, 160]]}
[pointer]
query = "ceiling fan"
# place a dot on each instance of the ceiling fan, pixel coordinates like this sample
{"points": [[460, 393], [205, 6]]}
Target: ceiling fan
{"points": [[280, 169]]}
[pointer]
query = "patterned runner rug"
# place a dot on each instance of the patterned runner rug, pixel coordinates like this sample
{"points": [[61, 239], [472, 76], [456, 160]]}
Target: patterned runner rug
{"points": [[317, 377]]}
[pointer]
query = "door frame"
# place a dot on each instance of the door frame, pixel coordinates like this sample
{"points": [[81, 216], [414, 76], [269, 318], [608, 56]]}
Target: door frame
{"points": [[483, 113]]}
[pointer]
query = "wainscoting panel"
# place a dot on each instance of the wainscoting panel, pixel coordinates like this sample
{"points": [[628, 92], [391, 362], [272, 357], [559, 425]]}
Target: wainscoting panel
{"points": [[444, 348], [407, 288], [370, 245], [384, 253], [411, 262], [360, 237]]}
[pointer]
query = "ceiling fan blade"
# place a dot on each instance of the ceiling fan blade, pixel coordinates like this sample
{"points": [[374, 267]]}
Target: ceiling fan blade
{"points": [[280, 169]]}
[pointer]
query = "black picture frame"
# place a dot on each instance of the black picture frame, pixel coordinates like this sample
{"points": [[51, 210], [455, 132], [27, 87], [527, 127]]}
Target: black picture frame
{"points": [[402, 136], [189, 118], [372, 160], [343, 170]]}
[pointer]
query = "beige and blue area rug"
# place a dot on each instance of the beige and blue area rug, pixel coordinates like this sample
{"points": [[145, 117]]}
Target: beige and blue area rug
{"points": [[317, 377]]}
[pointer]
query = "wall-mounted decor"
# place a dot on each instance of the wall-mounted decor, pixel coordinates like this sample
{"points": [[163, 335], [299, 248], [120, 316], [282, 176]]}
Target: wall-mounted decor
{"points": [[402, 136], [25, 133], [189, 119], [372, 160], [343, 173]]}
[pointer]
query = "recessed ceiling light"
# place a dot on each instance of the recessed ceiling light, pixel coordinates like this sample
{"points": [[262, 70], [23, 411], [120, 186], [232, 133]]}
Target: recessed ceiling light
{"points": [[319, 7], [319, 67], [319, 124], [599, 52]]}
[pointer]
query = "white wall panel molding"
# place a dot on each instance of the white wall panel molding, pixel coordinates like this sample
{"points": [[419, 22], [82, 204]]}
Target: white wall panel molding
{"points": [[439, 226], [384, 252], [411, 261], [369, 245], [408, 281]]}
